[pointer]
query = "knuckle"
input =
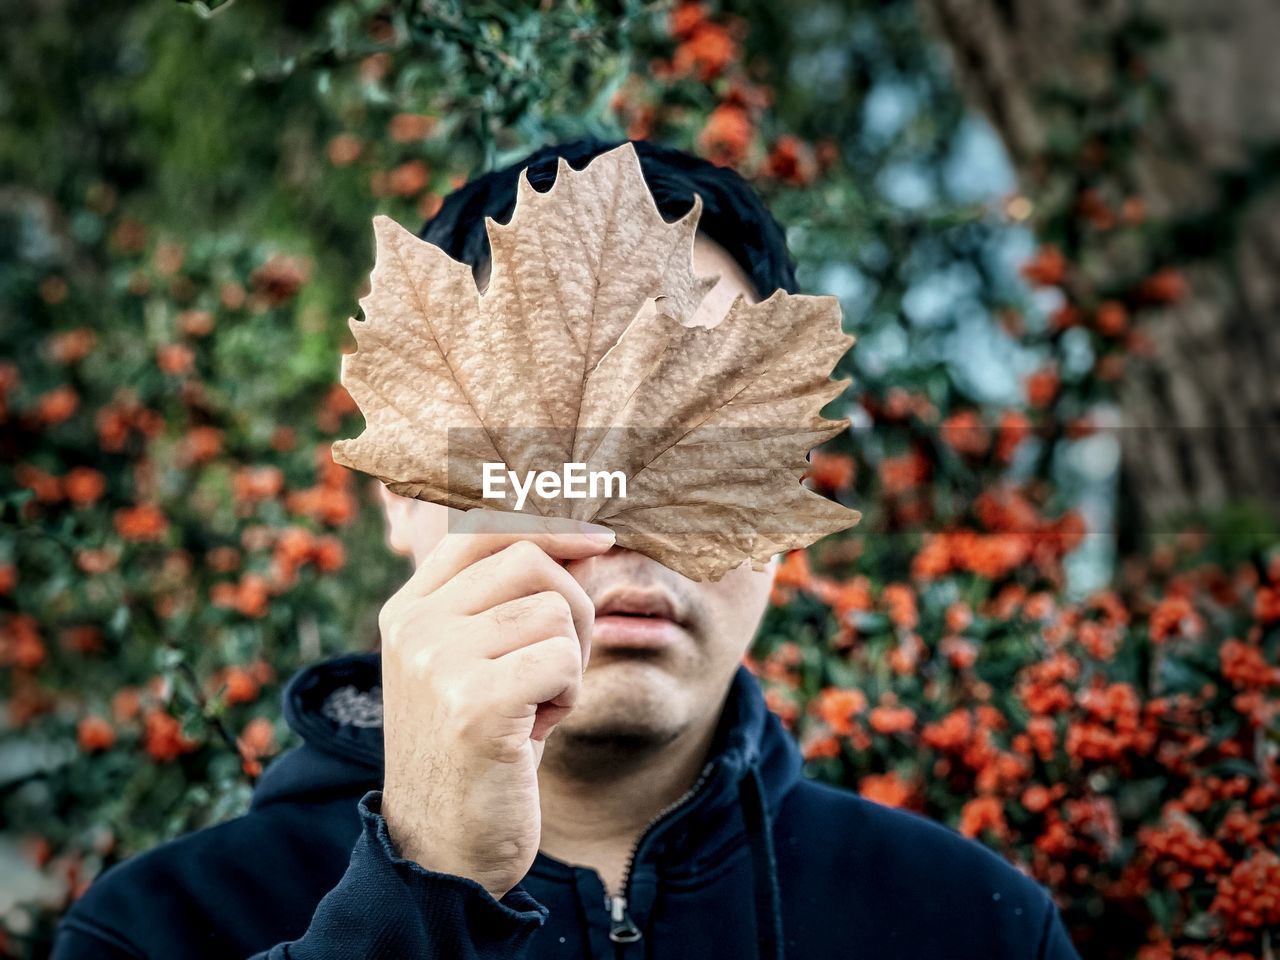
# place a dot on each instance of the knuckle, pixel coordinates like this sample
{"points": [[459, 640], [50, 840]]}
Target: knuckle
{"points": [[419, 638], [469, 724], [443, 548], [554, 607], [458, 700], [540, 561], [506, 746], [538, 661], [510, 615], [427, 660], [566, 651], [524, 552], [469, 576], [389, 622]]}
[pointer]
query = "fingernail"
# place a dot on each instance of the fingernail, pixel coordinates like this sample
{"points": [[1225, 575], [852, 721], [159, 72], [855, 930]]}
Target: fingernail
{"points": [[596, 531]]}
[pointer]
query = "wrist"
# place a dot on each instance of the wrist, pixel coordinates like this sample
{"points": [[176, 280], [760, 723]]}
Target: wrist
{"points": [[413, 842], [399, 826]]}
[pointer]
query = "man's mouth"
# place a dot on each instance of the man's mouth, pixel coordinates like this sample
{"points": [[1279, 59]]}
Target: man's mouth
{"points": [[636, 619]]}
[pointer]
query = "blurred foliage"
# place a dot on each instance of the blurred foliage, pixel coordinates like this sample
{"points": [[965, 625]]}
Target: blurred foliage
{"points": [[188, 189]]}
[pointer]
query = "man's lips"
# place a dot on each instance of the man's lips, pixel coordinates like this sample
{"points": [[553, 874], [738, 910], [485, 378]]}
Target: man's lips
{"points": [[637, 603], [636, 619]]}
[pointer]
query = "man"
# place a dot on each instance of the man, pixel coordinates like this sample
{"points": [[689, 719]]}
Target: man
{"points": [[559, 754]]}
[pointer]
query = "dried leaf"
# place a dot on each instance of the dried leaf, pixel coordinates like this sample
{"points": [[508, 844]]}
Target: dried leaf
{"points": [[587, 347]]}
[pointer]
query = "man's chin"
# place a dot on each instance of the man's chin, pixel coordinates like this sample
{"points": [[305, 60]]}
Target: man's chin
{"points": [[626, 709], [638, 686]]}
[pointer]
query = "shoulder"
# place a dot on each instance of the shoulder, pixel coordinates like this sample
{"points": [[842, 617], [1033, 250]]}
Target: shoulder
{"points": [[266, 869], [900, 841], [123, 907], [910, 867]]}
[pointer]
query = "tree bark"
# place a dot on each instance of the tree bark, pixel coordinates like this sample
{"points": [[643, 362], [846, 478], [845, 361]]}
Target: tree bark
{"points": [[1202, 417]]}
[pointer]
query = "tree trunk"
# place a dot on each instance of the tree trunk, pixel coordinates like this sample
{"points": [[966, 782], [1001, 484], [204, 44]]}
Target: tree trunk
{"points": [[1202, 418]]}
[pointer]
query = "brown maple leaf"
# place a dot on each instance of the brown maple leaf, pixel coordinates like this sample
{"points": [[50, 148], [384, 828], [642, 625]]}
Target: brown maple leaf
{"points": [[587, 348]]}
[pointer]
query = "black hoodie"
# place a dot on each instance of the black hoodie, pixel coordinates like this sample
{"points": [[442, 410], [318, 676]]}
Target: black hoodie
{"points": [[755, 861]]}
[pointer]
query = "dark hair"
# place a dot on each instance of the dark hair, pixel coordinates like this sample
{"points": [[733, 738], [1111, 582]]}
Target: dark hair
{"points": [[732, 214]]}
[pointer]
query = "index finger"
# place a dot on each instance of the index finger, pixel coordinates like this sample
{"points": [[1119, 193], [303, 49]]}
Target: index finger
{"points": [[482, 533]]}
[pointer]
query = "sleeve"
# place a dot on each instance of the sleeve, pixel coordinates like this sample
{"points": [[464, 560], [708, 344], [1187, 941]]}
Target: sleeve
{"points": [[1054, 942], [384, 908]]}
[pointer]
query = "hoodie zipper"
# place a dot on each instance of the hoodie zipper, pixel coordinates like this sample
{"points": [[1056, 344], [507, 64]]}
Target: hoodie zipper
{"points": [[622, 928]]}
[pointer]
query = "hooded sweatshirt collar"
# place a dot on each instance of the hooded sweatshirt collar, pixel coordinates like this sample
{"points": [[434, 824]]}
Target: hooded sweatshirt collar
{"points": [[748, 735], [335, 706]]}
